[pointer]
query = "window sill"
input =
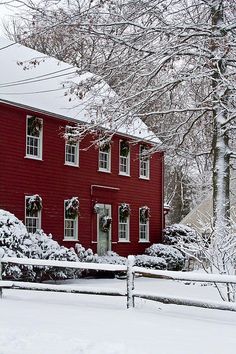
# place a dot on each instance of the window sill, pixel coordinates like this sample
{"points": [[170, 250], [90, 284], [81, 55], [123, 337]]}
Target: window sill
{"points": [[124, 174], [106, 171], [33, 158], [71, 165], [124, 241], [144, 241], [70, 240], [145, 178]]}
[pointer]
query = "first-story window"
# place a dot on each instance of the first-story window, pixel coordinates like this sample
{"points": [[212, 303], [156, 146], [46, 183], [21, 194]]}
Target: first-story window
{"points": [[34, 130], [71, 212], [144, 215], [104, 158], [33, 207], [72, 153], [124, 218]]}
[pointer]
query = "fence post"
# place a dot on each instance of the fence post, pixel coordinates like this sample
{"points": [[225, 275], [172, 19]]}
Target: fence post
{"points": [[130, 282]]}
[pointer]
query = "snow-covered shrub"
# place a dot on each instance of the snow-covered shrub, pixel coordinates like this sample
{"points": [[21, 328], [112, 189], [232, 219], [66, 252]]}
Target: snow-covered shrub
{"points": [[111, 258], [179, 233], [85, 255], [174, 258], [152, 262], [15, 241]]}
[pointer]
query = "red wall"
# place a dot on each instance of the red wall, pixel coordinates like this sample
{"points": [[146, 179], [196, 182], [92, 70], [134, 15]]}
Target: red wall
{"points": [[55, 182]]}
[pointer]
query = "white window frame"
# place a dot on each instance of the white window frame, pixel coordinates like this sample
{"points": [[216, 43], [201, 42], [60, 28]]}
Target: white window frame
{"points": [[141, 225], [75, 225], [30, 217], [127, 159], [127, 226], [144, 164], [108, 154], [39, 139], [76, 146]]}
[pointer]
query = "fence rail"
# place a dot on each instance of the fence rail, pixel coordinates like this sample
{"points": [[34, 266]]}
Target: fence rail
{"points": [[130, 292]]}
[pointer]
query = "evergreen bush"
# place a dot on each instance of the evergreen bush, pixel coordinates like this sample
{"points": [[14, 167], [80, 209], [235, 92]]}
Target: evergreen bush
{"points": [[174, 258]]}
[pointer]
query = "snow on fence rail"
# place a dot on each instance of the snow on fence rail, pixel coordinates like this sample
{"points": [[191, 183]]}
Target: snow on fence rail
{"points": [[130, 293]]}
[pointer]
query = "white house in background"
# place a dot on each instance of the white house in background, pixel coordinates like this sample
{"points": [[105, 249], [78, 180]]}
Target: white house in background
{"points": [[202, 214]]}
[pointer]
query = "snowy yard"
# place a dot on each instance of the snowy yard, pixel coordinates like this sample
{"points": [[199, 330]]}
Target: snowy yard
{"points": [[41, 323]]}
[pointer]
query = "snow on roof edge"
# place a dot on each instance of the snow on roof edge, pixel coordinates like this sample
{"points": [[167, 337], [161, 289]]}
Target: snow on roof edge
{"points": [[74, 120]]}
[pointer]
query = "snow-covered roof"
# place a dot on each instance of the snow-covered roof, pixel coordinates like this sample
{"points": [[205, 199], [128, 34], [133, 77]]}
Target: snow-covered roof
{"points": [[34, 80]]}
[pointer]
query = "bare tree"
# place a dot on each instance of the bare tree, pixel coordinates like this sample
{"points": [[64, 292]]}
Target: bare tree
{"points": [[171, 63]]}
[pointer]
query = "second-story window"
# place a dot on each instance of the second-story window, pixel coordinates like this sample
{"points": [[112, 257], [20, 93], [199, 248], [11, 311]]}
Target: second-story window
{"points": [[124, 168], [34, 131], [72, 153], [104, 158], [144, 163]]}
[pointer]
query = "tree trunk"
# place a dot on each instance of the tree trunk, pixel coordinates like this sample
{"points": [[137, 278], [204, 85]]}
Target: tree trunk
{"points": [[220, 145]]}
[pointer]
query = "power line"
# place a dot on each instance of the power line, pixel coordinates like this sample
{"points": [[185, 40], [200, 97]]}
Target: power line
{"points": [[38, 80], [35, 77], [31, 93]]}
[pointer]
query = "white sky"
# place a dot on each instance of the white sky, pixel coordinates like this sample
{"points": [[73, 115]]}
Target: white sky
{"points": [[5, 14]]}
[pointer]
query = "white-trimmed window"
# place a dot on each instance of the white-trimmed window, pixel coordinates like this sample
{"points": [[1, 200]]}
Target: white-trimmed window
{"points": [[34, 134], [143, 227], [123, 226], [72, 153], [124, 158], [70, 224], [32, 214], [144, 164], [104, 158]]}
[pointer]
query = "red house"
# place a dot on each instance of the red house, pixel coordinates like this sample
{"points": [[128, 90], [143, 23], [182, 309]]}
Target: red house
{"points": [[108, 198]]}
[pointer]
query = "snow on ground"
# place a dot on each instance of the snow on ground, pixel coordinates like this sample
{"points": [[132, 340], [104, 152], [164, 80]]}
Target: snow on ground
{"points": [[55, 323]]}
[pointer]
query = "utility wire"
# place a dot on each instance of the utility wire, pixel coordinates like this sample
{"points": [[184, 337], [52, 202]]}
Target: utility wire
{"points": [[38, 80], [31, 93], [35, 77]]}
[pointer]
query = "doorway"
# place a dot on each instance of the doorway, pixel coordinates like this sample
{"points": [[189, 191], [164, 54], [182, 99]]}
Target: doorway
{"points": [[103, 229]]}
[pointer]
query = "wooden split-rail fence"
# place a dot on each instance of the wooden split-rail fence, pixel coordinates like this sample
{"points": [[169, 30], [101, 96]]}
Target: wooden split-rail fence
{"points": [[130, 270]]}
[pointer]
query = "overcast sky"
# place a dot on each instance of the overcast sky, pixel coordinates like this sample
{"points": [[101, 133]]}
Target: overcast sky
{"points": [[5, 14]]}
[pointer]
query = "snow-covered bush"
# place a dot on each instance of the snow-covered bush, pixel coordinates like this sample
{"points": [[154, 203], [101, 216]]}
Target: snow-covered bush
{"points": [[179, 233], [111, 258], [85, 255], [15, 241], [152, 262], [174, 258]]}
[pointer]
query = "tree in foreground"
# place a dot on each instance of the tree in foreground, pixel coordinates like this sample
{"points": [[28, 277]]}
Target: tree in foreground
{"points": [[171, 63]]}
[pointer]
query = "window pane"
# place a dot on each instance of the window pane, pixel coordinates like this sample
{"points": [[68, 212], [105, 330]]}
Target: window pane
{"points": [[72, 153], [123, 228], [104, 160]]}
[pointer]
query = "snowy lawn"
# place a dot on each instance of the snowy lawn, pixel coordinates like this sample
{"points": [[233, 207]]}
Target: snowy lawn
{"points": [[54, 323]]}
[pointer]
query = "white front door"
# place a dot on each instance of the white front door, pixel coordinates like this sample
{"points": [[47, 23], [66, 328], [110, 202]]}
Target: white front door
{"points": [[104, 229]]}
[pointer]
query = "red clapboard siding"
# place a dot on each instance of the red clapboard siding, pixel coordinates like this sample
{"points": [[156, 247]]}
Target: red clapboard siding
{"points": [[55, 182]]}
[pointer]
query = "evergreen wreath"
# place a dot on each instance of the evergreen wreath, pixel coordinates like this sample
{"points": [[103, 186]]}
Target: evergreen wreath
{"points": [[105, 147], [34, 204], [144, 152], [72, 208], [96, 208], [70, 135], [34, 125], [124, 148], [125, 211], [145, 214], [105, 223]]}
